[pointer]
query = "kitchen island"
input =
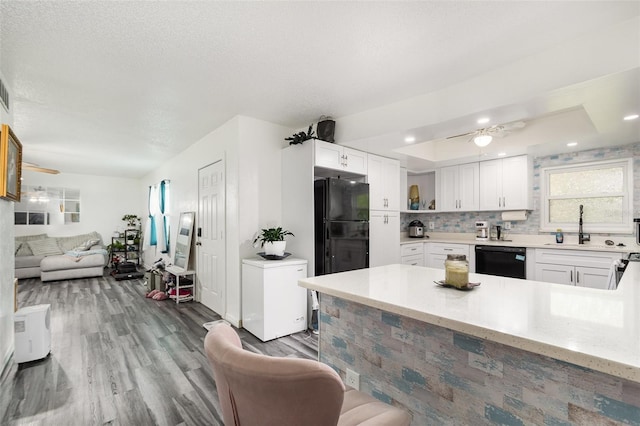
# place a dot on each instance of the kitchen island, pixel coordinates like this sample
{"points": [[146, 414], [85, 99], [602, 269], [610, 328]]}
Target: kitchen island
{"points": [[508, 352]]}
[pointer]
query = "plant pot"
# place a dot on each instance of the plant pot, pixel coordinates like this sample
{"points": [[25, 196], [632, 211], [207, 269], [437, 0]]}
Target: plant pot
{"points": [[275, 248]]}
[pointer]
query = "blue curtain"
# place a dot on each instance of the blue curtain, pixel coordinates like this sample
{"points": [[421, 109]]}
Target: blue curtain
{"points": [[153, 238], [164, 201], [157, 227]]}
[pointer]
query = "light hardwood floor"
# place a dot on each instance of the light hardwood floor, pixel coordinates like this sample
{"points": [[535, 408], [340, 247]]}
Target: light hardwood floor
{"points": [[119, 358]]}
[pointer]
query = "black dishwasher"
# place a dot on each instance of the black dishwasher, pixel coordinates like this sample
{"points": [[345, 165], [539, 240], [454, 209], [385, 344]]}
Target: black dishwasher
{"points": [[501, 261]]}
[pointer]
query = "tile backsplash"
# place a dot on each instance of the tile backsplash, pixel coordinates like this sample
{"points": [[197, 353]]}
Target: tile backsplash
{"points": [[465, 222]]}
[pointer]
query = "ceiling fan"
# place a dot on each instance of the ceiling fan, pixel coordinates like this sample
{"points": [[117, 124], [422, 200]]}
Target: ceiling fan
{"points": [[483, 137], [36, 168]]}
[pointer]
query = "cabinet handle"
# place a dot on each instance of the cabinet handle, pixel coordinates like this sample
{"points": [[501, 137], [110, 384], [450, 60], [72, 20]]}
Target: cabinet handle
{"points": [[301, 269], [414, 249], [571, 276], [448, 249], [577, 277]]}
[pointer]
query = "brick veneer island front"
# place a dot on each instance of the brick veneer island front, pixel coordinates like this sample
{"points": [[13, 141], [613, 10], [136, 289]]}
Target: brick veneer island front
{"points": [[511, 351]]}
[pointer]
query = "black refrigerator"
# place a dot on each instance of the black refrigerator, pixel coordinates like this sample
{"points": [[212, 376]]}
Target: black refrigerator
{"points": [[341, 225]]}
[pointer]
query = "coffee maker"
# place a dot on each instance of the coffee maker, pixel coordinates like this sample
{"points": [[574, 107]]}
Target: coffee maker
{"points": [[482, 230]]}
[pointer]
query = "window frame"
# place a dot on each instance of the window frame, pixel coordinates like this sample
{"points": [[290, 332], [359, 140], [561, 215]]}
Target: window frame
{"points": [[625, 227]]}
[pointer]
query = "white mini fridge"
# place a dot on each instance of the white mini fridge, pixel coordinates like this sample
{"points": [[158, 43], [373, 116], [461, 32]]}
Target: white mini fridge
{"points": [[32, 329], [273, 305]]}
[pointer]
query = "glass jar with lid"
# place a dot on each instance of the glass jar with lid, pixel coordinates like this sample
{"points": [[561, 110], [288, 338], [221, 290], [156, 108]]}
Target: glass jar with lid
{"points": [[456, 270]]}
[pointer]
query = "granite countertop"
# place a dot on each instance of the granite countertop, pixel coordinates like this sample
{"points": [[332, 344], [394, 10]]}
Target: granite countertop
{"points": [[528, 241], [597, 329]]}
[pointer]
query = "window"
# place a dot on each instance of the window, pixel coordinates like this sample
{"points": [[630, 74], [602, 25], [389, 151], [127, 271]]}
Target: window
{"points": [[604, 188]]}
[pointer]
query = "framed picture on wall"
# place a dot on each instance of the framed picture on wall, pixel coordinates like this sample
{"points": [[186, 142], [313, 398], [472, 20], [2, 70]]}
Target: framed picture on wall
{"points": [[10, 164]]}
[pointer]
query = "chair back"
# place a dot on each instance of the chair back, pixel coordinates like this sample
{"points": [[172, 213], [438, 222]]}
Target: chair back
{"points": [[257, 389]]}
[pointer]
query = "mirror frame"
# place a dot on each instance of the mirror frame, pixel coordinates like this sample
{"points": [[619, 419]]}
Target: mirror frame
{"points": [[184, 236]]}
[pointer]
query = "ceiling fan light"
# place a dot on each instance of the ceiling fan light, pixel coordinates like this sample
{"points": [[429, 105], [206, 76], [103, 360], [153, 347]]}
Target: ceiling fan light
{"points": [[482, 140]]}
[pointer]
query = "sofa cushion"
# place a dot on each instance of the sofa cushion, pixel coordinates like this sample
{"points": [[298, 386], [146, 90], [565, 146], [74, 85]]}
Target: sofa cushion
{"points": [[28, 261], [23, 249], [45, 247], [31, 237], [70, 243], [67, 262]]}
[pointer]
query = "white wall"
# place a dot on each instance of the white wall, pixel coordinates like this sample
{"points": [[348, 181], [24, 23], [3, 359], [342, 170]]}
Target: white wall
{"points": [[251, 151], [103, 202], [7, 263]]}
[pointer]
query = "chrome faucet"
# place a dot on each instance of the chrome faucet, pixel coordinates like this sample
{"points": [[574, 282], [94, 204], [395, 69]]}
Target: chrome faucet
{"points": [[582, 237]]}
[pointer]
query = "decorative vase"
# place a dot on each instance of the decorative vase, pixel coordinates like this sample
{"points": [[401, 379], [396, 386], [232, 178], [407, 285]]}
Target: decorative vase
{"points": [[414, 197], [275, 248]]}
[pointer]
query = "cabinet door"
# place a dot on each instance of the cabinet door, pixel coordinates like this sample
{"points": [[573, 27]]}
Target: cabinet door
{"points": [[415, 260], [355, 161], [391, 169], [491, 185], [435, 260], [384, 238], [328, 155], [447, 200], [383, 176], [592, 277], [468, 187], [375, 178], [551, 273], [515, 183]]}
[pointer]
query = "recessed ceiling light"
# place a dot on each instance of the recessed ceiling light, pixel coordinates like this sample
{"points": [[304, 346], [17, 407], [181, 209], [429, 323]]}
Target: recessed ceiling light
{"points": [[410, 139], [483, 120], [631, 117], [502, 154], [572, 144]]}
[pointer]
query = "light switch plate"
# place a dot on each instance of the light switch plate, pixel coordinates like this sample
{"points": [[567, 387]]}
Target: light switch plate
{"points": [[431, 226], [507, 225]]}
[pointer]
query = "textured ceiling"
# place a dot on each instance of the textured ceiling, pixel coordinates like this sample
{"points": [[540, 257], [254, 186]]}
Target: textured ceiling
{"points": [[91, 81]]}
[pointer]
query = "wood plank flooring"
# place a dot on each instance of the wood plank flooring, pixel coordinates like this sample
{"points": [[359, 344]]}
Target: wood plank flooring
{"points": [[118, 358]]}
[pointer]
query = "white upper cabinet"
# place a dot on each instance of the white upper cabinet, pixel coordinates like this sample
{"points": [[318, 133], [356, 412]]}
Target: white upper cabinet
{"points": [[505, 184], [458, 188], [338, 157], [383, 176]]}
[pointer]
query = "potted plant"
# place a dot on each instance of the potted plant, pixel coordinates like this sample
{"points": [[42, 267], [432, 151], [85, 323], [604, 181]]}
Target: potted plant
{"points": [[132, 220], [272, 239]]}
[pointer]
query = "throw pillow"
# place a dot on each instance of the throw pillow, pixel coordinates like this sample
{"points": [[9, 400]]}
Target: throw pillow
{"points": [[45, 247], [24, 250], [90, 244]]}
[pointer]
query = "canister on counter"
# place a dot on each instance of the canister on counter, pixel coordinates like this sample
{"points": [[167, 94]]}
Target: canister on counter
{"points": [[456, 270]]}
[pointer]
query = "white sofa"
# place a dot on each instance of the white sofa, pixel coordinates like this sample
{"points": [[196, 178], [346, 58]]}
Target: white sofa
{"points": [[60, 258]]}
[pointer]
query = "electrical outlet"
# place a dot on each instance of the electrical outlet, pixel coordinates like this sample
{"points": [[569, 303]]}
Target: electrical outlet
{"points": [[353, 379], [507, 225], [431, 226]]}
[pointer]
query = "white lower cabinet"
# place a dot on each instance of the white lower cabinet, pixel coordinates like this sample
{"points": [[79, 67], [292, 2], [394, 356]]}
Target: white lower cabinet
{"points": [[383, 237], [437, 253], [412, 254], [273, 305], [580, 268]]}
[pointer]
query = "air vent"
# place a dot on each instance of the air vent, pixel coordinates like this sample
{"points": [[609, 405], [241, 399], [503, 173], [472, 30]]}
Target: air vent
{"points": [[4, 96]]}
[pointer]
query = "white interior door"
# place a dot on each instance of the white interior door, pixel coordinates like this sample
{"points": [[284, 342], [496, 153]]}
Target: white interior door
{"points": [[210, 237]]}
